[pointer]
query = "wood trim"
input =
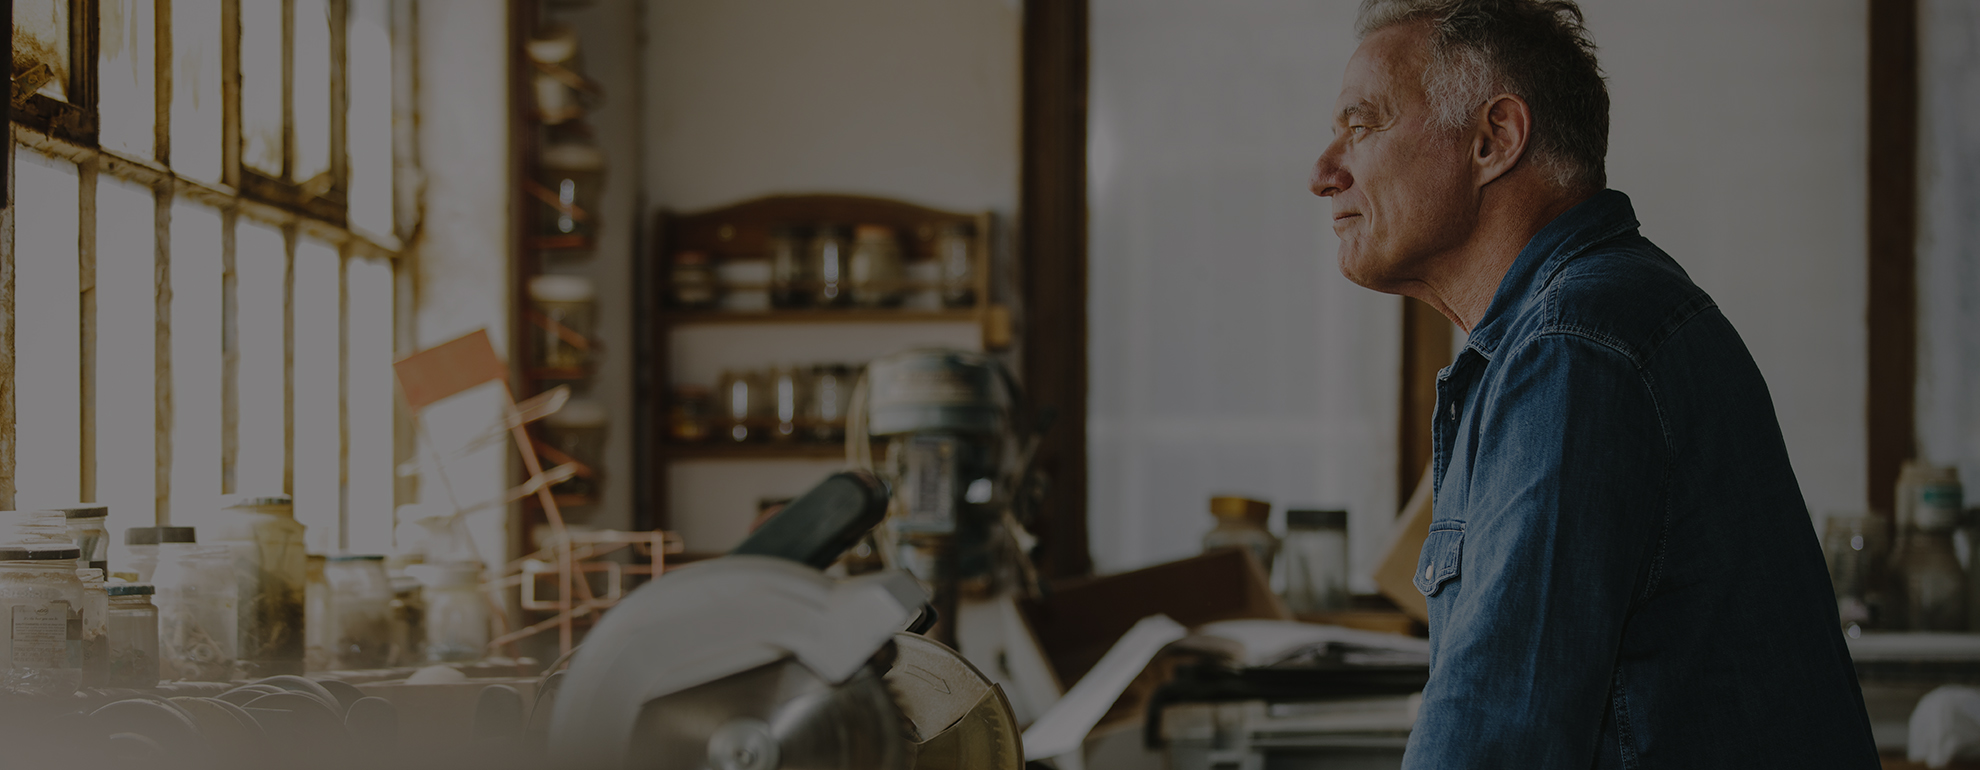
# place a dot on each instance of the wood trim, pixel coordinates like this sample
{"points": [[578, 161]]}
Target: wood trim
{"points": [[1893, 229], [1052, 249], [1426, 349], [9, 437]]}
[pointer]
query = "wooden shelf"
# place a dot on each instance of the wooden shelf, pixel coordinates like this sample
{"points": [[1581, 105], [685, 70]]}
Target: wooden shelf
{"points": [[849, 315], [768, 451]]}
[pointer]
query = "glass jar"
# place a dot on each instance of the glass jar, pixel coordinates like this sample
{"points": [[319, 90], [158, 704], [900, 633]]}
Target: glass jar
{"points": [[198, 612], [573, 175], [691, 414], [562, 311], [269, 570], [786, 393], [456, 613], [826, 402], [88, 527], [133, 626], [408, 638], [1316, 554], [827, 254], [317, 642], [742, 400], [578, 431], [875, 269], [95, 628], [360, 611], [35, 528], [142, 544], [691, 283], [39, 596], [1934, 585], [1241, 522], [790, 281], [955, 251], [1856, 548]]}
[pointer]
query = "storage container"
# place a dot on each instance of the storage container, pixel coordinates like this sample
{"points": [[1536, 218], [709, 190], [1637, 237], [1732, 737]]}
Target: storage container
{"points": [[142, 545], [39, 596], [95, 628], [456, 612], [269, 570], [133, 625], [1316, 554], [198, 612], [360, 610], [88, 527]]}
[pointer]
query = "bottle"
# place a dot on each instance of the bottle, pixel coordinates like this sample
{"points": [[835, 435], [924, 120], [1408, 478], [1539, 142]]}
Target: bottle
{"points": [[827, 254], [87, 527], [875, 267], [317, 643], [40, 595], [133, 627], [142, 545], [789, 278], [1316, 554], [360, 611], [198, 613], [95, 627], [1241, 522], [955, 251], [1929, 509], [456, 613], [269, 571]]}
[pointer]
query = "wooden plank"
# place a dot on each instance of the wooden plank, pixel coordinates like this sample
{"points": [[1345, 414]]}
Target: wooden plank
{"points": [[1052, 247], [86, 323], [290, 238], [162, 353], [1893, 229], [230, 356], [8, 433], [344, 399]]}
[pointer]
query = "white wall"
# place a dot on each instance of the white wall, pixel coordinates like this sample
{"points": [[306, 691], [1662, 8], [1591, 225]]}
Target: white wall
{"points": [[904, 99], [1949, 238], [463, 250], [1228, 354]]}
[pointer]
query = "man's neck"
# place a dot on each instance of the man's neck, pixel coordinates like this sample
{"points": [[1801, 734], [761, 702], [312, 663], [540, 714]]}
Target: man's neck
{"points": [[1464, 280]]}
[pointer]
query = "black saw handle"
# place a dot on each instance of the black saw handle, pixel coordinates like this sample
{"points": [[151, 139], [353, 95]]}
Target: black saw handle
{"points": [[814, 530]]}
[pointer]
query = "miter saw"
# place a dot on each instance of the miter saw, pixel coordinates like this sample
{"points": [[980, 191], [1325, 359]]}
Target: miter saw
{"points": [[759, 661]]}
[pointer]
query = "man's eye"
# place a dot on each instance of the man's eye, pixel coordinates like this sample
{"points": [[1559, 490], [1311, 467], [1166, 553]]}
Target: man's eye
{"points": [[1357, 130]]}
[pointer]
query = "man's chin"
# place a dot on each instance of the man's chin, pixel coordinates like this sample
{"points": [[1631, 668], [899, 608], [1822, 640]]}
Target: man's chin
{"points": [[1368, 274]]}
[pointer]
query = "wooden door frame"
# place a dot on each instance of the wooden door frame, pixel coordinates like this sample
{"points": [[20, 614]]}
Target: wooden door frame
{"points": [[1892, 311]]}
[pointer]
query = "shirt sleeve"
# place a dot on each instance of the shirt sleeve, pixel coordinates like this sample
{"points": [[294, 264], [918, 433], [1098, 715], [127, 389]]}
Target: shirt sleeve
{"points": [[1559, 524]]}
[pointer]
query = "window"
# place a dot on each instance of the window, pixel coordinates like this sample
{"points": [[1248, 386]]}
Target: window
{"points": [[204, 258]]}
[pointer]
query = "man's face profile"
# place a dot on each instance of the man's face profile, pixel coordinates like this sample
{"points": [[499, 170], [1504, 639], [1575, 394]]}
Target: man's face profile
{"points": [[1399, 183]]}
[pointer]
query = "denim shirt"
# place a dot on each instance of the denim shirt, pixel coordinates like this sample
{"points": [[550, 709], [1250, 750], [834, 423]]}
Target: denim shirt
{"points": [[1620, 570]]}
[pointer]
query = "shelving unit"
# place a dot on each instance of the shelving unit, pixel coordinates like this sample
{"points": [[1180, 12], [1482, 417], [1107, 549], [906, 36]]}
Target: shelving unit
{"points": [[741, 231]]}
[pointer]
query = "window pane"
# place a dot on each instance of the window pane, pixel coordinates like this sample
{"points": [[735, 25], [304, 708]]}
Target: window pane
{"points": [[126, 356], [261, 86], [371, 116], [196, 108], [369, 319], [124, 78], [41, 35], [196, 370], [47, 363], [319, 441], [261, 271], [312, 89]]}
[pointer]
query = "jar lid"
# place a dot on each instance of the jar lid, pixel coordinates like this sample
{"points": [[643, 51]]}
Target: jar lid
{"points": [[690, 257], [1233, 507], [130, 589], [357, 557], [873, 231], [1316, 519], [39, 553], [561, 288], [82, 510], [260, 501], [572, 156], [156, 535]]}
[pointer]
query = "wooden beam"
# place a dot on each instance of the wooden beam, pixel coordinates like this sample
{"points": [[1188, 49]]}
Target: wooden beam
{"points": [[1426, 349], [1893, 230], [1052, 250]]}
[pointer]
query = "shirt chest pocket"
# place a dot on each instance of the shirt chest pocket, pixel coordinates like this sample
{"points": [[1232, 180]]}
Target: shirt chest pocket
{"points": [[1443, 553]]}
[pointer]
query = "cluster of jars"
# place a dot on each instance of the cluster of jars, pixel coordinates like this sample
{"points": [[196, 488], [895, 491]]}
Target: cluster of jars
{"points": [[783, 404], [245, 603], [833, 265], [1313, 555], [1903, 572]]}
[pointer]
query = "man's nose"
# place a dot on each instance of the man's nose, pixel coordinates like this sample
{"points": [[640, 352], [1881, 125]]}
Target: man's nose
{"points": [[1329, 178]]}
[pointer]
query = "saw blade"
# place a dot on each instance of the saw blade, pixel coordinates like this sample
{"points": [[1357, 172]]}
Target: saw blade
{"points": [[779, 716], [957, 717]]}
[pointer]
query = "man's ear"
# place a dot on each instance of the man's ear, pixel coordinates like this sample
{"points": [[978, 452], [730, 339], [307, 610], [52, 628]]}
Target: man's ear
{"points": [[1504, 126]]}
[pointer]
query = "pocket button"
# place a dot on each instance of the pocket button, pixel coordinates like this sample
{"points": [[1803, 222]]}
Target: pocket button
{"points": [[1429, 572]]}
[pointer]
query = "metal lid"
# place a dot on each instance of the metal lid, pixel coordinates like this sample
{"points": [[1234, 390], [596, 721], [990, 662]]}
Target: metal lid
{"points": [[156, 535], [1316, 519], [261, 501], [130, 589], [39, 553], [82, 510], [1231, 507], [357, 557]]}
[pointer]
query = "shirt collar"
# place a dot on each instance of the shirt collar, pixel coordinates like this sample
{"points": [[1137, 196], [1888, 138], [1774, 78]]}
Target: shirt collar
{"points": [[1603, 216]]}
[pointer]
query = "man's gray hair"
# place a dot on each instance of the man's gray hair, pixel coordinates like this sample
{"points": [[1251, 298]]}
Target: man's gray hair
{"points": [[1537, 50]]}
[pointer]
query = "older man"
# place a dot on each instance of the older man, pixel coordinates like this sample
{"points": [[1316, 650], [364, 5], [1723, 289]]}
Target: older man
{"points": [[1620, 569]]}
